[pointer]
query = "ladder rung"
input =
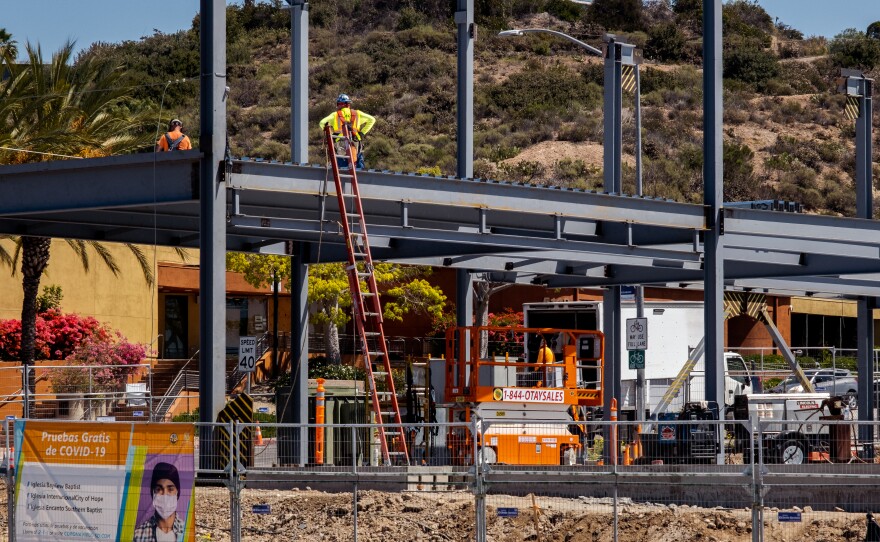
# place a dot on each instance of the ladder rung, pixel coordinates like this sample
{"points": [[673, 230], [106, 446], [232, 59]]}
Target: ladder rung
{"points": [[394, 453], [360, 253], [371, 314], [376, 353], [367, 294], [353, 214], [383, 393], [380, 373], [371, 333], [362, 274], [388, 413], [392, 433]]}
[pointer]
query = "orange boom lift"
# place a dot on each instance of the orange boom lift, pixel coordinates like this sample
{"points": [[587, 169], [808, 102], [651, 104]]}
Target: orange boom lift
{"points": [[527, 399]]}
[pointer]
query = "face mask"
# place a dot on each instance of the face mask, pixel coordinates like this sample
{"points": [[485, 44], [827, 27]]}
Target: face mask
{"points": [[165, 505]]}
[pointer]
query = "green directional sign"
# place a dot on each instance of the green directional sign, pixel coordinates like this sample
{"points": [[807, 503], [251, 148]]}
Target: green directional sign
{"points": [[636, 359]]}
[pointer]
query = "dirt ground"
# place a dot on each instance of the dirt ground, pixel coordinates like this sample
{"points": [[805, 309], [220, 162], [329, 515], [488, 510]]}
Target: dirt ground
{"points": [[309, 515], [449, 515]]}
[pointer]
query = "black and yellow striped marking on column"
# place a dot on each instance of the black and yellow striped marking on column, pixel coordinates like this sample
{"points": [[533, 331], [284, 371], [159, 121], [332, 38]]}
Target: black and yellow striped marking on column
{"points": [[743, 303], [241, 410], [628, 78], [852, 109]]}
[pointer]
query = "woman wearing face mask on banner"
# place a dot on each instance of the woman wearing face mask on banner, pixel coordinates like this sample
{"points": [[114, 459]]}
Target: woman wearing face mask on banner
{"points": [[163, 525]]}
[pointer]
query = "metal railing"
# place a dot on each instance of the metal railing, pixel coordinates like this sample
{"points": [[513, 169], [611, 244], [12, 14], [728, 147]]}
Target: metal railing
{"points": [[185, 380]]}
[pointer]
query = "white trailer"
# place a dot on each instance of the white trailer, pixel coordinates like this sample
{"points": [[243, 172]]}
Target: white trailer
{"points": [[675, 330]]}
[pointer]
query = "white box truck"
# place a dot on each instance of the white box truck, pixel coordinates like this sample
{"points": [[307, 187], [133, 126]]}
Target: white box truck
{"points": [[674, 330]]}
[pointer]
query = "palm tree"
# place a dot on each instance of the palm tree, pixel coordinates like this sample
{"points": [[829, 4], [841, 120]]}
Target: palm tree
{"points": [[67, 109], [7, 43]]}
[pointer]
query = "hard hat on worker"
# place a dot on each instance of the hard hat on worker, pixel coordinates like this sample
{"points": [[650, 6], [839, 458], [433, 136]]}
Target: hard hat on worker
{"points": [[343, 99]]}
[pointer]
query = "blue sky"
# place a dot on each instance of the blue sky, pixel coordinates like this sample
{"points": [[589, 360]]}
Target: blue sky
{"points": [[51, 22]]}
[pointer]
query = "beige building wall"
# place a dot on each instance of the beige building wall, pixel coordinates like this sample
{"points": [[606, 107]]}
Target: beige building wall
{"points": [[125, 302]]}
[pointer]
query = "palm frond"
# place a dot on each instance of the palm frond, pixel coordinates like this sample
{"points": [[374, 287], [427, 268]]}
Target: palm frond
{"points": [[16, 256], [79, 248], [105, 255], [182, 253], [5, 257], [144, 262]]}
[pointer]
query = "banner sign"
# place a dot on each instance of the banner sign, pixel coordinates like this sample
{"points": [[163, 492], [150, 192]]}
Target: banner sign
{"points": [[529, 395], [104, 481]]}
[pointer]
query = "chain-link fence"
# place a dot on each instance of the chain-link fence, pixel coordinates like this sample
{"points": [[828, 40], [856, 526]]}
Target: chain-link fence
{"points": [[690, 478]]}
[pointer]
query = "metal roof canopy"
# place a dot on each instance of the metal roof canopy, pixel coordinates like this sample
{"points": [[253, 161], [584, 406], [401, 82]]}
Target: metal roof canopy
{"points": [[519, 232]]}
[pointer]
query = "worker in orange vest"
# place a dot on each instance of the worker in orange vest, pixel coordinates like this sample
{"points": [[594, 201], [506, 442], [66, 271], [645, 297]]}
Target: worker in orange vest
{"points": [[359, 124], [174, 139], [546, 359]]}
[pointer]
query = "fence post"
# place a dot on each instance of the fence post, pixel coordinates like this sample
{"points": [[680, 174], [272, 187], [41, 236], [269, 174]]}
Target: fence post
{"points": [[354, 493], [235, 482], [479, 486], [757, 460]]}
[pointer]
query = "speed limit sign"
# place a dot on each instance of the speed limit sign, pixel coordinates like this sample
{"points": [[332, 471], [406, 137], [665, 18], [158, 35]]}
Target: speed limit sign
{"points": [[247, 351]]}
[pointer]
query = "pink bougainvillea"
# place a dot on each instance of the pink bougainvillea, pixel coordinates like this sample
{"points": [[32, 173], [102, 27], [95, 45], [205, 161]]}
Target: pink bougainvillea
{"points": [[58, 335], [111, 360]]}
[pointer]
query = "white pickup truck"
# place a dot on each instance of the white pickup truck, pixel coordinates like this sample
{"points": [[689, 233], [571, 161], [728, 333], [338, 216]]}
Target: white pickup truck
{"points": [[795, 428]]}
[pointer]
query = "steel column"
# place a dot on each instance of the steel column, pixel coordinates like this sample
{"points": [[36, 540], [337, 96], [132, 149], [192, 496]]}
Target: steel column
{"points": [[464, 298], [713, 179], [464, 20], [865, 309], [299, 81], [611, 371], [613, 143], [640, 290], [864, 152], [212, 222], [299, 347]]}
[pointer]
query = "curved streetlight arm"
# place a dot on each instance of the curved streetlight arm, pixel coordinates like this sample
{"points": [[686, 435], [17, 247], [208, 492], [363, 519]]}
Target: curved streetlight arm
{"points": [[521, 31]]}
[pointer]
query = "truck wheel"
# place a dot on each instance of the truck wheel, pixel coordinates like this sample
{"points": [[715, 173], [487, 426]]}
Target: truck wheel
{"points": [[851, 398], [792, 452]]}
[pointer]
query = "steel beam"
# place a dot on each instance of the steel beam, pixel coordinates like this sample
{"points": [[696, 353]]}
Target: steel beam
{"points": [[98, 183], [290, 182], [793, 227], [212, 223]]}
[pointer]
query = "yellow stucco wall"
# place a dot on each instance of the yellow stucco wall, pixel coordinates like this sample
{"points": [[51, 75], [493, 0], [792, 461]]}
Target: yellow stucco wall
{"points": [[126, 302], [827, 307]]}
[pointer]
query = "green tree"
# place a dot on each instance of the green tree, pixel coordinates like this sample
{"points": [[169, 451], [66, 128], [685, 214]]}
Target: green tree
{"points": [[665, 42], [751, 65], [67, 109], [853, 49], [405, 291], [873, 31]]}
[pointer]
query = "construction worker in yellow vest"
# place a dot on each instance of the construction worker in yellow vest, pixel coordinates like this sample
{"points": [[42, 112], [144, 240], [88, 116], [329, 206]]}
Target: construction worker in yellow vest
{"points": [[359, 122]]}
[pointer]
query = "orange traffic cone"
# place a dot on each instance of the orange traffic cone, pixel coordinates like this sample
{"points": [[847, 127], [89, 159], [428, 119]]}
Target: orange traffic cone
{"points": [[258, 440]]}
